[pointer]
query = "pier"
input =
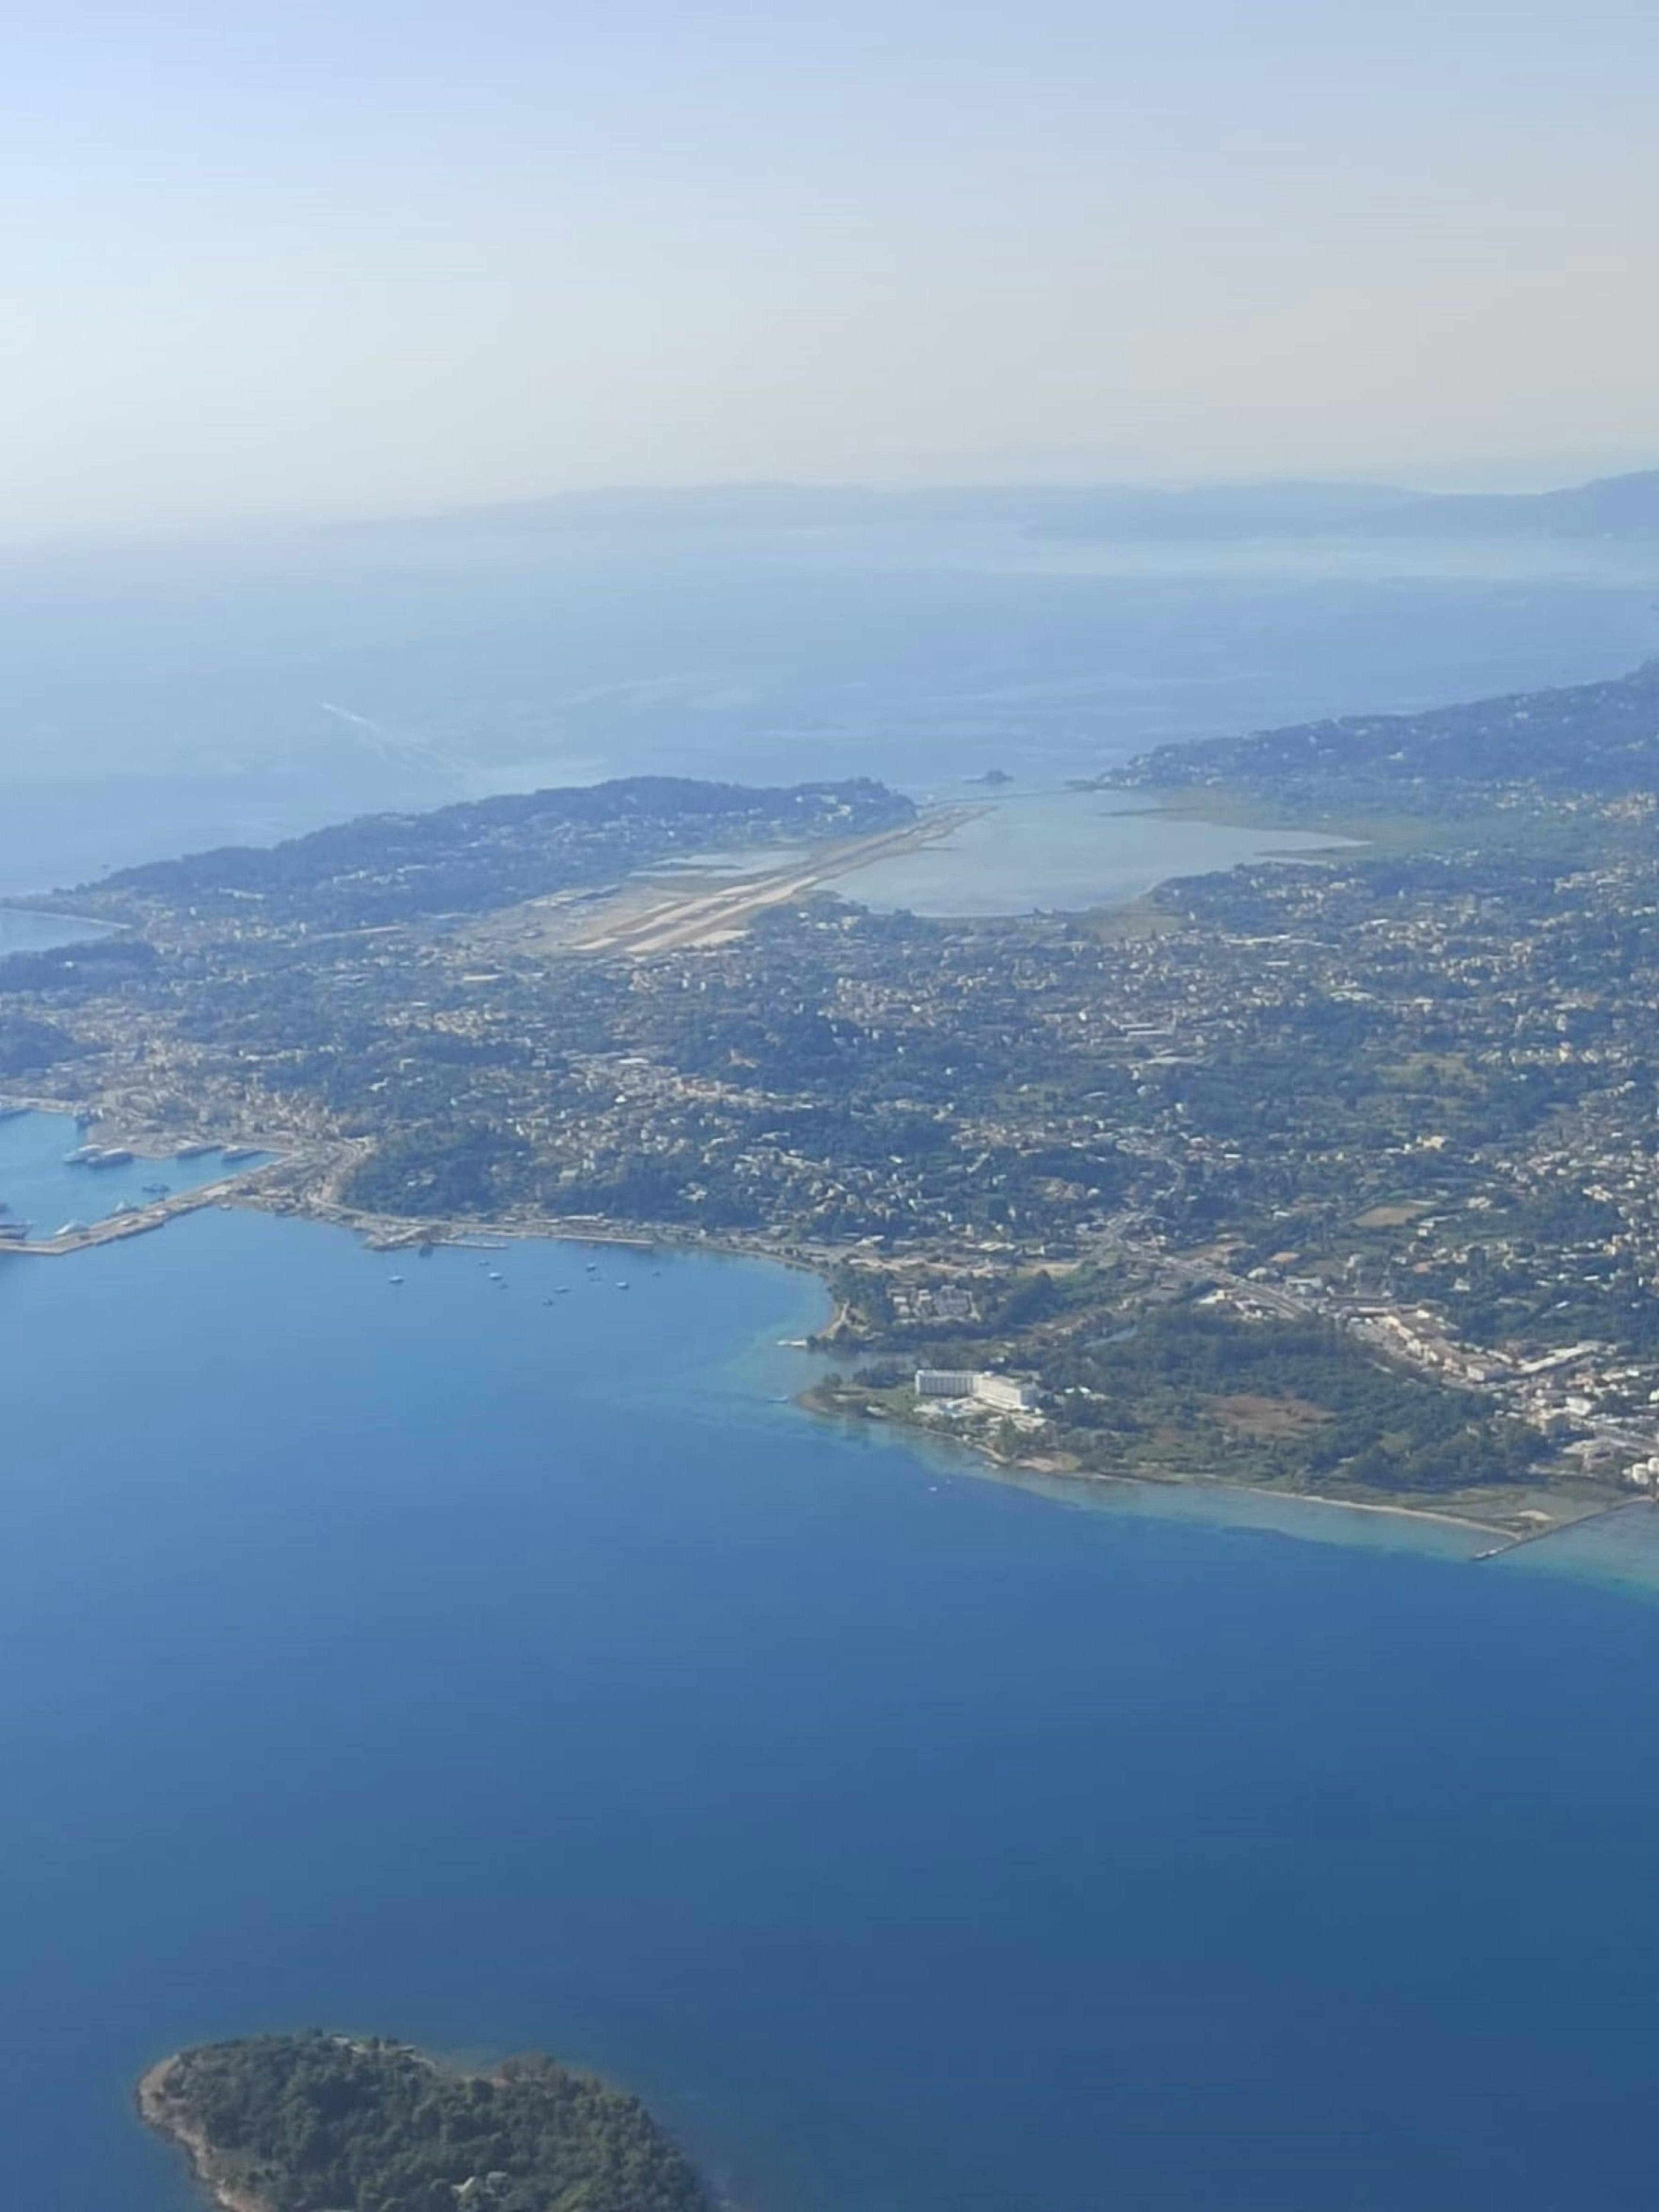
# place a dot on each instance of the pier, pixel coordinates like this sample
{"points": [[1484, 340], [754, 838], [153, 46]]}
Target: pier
{"points": [[1564, 1528], [141, 1219]]}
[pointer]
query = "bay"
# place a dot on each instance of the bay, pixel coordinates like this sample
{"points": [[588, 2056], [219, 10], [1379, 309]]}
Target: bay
{"points": [[24, 929], [427, 1658]]}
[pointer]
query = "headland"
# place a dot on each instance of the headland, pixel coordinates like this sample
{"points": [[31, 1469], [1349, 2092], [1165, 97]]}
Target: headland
{"points": [[1328, 1176], [273, 2121]]}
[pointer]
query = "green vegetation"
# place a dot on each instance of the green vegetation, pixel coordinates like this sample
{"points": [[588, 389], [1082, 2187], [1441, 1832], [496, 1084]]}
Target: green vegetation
{"points": [[78, 970], [323, 2123], [1133, 1380], [1285, 1400], [1404, 1096], [26, 1044], [484, 854], [1590, 739]]}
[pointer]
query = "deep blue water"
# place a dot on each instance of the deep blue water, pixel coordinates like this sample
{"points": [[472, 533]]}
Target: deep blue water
{"points": [[431, 1660]]}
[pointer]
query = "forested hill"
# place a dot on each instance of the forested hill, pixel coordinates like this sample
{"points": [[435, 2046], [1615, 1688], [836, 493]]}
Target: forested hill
{"points": [[491, 852], [322, 2123], [1597, 740]]}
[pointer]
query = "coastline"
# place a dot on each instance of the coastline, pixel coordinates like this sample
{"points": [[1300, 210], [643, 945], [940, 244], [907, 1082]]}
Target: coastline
{"points": [[400, 1232], [394, 1232], [1080, 1487], [156, 2113], [239, 1181], [95, 925], [159, 2112]]}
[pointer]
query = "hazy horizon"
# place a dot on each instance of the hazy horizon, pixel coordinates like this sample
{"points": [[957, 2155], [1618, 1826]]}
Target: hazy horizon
{"points": [[288, 265], [1472, 478]]}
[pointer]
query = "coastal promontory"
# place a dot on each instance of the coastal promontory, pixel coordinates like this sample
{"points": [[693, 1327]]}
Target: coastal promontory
{"points": [[320, 2123]]}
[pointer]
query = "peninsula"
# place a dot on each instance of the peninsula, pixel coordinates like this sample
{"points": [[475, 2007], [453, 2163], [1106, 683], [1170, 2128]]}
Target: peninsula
{"points": [[318, 2123], [1333, 1176]]}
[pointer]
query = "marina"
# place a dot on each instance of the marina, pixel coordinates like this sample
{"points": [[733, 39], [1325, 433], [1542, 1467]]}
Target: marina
{"points": [[96, 1194]]}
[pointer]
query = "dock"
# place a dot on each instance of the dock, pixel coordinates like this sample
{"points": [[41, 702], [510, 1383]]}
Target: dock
{"points": [[141, 1219], [1564, 1528]]}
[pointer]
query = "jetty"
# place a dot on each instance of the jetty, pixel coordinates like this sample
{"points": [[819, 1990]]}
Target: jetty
{"points": [[155, 1213], [1622, 1505]]}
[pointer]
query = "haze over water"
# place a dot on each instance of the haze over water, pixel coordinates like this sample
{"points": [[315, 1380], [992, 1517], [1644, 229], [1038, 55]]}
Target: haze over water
{"points": [[430, 1660], [167, 698]]}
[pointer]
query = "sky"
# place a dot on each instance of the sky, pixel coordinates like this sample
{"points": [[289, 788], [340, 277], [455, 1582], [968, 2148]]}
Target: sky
{"points": [[268, 262]]}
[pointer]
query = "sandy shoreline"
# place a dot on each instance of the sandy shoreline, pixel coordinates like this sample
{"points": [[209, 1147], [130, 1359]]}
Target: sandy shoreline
{"points": [[1083, 1483], [92, 924]]}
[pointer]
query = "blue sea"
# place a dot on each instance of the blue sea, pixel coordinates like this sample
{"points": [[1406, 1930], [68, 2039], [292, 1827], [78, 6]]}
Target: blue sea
{"points": [[500, 1668]]}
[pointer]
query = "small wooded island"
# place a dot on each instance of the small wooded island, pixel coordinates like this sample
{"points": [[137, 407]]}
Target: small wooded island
{"points": [[318, 2123]]}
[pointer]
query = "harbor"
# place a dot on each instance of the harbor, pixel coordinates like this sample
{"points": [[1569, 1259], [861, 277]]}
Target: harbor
{"points": [[58, 1200]]}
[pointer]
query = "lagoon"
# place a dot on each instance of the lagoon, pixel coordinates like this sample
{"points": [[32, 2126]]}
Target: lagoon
{"points": [[425, 1658], [1065, 851]]}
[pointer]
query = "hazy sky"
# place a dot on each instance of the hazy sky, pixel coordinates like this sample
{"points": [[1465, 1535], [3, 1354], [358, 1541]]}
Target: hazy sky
{"points": [[342, 256]]}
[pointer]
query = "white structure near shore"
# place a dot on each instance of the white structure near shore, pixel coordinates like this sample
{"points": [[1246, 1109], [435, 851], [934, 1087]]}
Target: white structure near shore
{"points": [[1000, 1392]]}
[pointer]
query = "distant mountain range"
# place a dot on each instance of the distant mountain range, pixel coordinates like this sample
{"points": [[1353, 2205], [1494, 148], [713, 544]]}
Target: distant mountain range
{"points": [[1620, 507], [1612, 507]]}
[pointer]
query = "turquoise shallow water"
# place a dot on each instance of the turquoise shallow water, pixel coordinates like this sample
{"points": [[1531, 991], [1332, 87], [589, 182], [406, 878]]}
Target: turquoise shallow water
{"points": [[431, 1659]]}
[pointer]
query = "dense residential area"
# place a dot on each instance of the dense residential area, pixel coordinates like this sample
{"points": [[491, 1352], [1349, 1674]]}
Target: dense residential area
{"points": [[1337, 1174]]}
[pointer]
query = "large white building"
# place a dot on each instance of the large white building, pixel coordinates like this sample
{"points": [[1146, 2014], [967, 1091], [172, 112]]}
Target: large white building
{"points": [[1000, 1391], [1003, 1392], [945, 1382]]}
